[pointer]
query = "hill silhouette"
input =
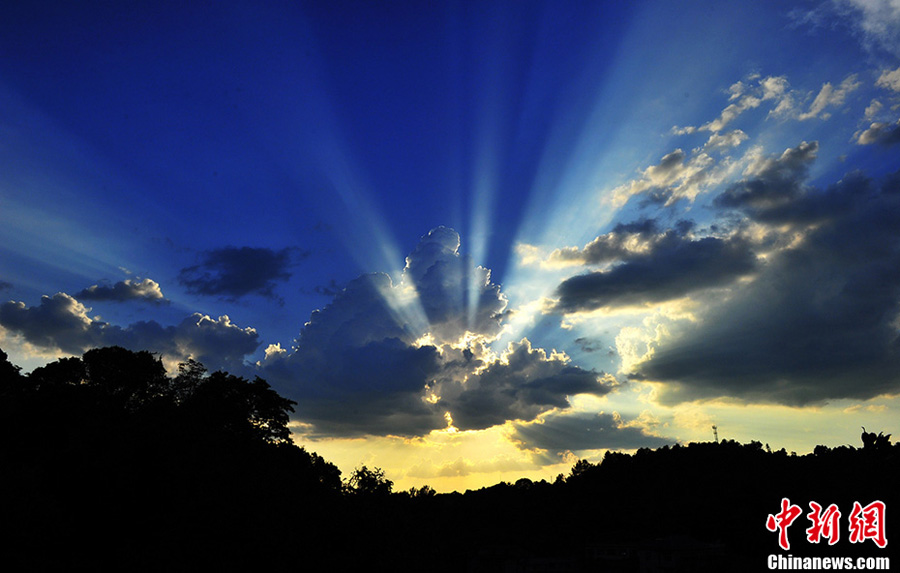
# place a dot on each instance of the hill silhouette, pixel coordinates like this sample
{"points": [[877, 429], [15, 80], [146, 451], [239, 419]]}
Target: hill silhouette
{"points": [[108, 462]]}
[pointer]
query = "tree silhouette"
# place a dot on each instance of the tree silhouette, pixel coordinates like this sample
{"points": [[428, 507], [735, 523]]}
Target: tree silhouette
{"points": [[9, 373], [249, 410], [369, 482], [162, 470], [105, 461]]}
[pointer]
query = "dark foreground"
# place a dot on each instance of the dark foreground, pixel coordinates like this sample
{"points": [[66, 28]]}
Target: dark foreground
{"points": [[107, 463]]}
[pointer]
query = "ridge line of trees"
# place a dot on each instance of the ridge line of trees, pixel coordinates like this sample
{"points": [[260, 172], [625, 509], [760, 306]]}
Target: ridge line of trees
{"points": [[107, 460]]}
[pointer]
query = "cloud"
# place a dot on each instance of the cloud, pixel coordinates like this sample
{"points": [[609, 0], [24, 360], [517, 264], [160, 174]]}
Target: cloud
{"points": [[873, 109], [626, 240], [461, 467], [456, 295], [720, 141], [331, 289], [59, 322], [5, 285], [674, 266], [147, 290], [62, 322], [676, 176], [747, 97], [407, 358], [682, 175], [881, 134], [561, 432], [234, 272], [889, 79], [522, 384], [874, 22], [878, 22], [829, 96], [820, 319], [771, 180]]}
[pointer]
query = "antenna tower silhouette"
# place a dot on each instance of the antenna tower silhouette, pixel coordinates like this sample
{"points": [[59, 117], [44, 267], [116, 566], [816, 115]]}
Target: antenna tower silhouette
{"points": [[716, 433]]}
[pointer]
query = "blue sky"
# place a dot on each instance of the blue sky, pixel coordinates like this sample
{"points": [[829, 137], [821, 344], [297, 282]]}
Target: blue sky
{"points": [[473, 240]]}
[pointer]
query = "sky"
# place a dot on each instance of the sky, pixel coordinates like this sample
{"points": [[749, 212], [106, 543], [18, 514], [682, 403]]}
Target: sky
{"points": [[474, 241]]}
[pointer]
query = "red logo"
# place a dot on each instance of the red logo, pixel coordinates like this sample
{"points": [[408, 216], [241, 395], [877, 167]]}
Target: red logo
{"points": [[823, 524], [782, 520], [864, 523], [868, 523]]}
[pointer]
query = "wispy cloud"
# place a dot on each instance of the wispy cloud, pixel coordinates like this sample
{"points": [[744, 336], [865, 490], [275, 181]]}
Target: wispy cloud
{"points": [[829, 97]]}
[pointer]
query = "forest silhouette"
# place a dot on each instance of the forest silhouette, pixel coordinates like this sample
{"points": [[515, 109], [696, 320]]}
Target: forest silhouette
{"points": [[106, 461]]}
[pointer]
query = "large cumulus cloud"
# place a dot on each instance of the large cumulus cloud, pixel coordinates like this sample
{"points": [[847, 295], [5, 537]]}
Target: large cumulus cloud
{"points": [[411, 357], [821, 318], [456, 295]]}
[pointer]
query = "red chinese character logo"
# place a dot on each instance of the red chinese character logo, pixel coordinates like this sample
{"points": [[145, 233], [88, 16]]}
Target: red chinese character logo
{"points": [[823, 524], [782, 520], [868, 523]]}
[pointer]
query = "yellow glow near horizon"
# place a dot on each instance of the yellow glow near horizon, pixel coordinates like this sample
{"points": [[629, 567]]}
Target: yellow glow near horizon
{"points": [[453, 460], [447, 459]]}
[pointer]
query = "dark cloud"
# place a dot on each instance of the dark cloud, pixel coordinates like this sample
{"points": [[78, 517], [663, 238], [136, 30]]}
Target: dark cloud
{"points": [[670, 163], [673, 266], [59, 322], [331, 289], [774, 180], [146, 290], [387, 358], [624, 241], [5, 285], [588, 344], [62, 322], [819, 322], [560, 432], [376, 387], [524, 385], [355, 369], [234, 272], [880, 134]]}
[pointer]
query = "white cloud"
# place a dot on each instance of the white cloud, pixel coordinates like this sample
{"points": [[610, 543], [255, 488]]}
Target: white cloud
{"points": [[880, 133], [873, 109], [766, 89], [721, 141], [676, 176], [878, 21], [829, 96], [889, 79]]}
